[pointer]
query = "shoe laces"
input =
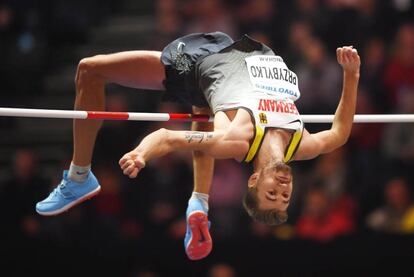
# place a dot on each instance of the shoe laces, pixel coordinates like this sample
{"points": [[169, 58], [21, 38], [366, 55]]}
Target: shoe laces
{"points": [[61, 186]]}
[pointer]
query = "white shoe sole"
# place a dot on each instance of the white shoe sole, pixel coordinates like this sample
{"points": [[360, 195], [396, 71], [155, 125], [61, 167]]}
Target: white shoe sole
{"points": [[71, 204]]}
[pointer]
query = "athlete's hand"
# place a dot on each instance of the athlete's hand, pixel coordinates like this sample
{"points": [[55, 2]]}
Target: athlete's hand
{"points": [[349, 59], [132, 163]]}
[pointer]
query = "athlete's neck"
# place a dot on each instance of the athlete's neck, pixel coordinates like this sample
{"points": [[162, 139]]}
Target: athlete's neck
{"points": [[272, 148]]}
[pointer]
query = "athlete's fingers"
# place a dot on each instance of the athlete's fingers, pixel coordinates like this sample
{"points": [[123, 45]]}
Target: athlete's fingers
{"points": [[126, 157], [134, 173], [355, 55], [125, 171], [348, 57], [129, 169], [343, 57], [126, 164], [123, 160], [347, 54], [338, 55]]}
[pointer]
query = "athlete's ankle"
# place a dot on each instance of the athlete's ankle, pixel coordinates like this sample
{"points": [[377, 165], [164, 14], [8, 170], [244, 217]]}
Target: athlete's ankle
{"points": [[78, 173], [202, 197]]}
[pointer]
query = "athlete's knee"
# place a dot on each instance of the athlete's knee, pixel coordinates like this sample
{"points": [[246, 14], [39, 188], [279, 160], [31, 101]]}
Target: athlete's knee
{"points": [[87, 72]]}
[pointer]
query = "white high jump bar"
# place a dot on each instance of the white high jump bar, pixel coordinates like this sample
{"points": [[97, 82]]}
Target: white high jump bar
{"points": [[134, 116]]}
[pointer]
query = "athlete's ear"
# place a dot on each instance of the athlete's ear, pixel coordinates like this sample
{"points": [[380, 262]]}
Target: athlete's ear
{"points": [[251, 183]]}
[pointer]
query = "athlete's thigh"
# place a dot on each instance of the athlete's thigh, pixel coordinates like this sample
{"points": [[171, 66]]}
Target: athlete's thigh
{"points": [[202, 126], [137, 69], [201, 110]]}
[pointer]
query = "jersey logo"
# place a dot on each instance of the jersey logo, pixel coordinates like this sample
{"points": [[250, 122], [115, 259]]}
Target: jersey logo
{"points": [[263, 118], [180, 46]]}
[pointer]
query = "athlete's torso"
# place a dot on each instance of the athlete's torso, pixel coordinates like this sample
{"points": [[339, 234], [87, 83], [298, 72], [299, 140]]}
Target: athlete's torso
{"points": [[242, 70], [248, 75]]}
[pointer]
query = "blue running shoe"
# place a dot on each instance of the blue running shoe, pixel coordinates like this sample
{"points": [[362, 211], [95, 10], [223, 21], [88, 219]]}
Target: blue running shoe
{"points": [[68, 194], [197, 242]]}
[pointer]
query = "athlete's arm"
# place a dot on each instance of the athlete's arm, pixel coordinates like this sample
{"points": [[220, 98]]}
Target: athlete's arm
{"points": [[313, 145], [220, 143]]}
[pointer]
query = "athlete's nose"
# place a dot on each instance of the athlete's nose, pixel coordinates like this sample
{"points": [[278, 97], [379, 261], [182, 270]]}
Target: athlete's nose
{"points": [[283, 181]]}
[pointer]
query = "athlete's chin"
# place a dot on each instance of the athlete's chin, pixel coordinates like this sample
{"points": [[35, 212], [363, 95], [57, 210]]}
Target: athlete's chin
{"points": [[280, 168]]}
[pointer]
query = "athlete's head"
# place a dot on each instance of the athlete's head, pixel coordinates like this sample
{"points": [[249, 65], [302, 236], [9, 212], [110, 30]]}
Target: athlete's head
{"points": [[268, 193]]}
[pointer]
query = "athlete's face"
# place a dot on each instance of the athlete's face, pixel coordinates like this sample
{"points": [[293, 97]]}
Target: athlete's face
{"points": [[274, 187]]}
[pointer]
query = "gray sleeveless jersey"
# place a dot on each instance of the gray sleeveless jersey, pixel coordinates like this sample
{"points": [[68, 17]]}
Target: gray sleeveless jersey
{"points": [[245, 74], [223, 77]]}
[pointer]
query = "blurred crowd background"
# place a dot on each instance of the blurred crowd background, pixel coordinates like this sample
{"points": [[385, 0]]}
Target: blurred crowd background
{"points": [[353, 209]]}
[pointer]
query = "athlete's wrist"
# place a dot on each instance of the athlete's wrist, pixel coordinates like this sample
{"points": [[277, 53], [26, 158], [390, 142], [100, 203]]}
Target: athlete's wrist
{"points": [[351, 74]]}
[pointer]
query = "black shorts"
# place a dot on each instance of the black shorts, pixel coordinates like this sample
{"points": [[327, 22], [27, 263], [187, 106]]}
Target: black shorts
{"points": [[180, 58]]}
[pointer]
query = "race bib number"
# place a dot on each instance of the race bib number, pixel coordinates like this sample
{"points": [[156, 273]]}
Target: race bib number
{"points": [[269, 74]]}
